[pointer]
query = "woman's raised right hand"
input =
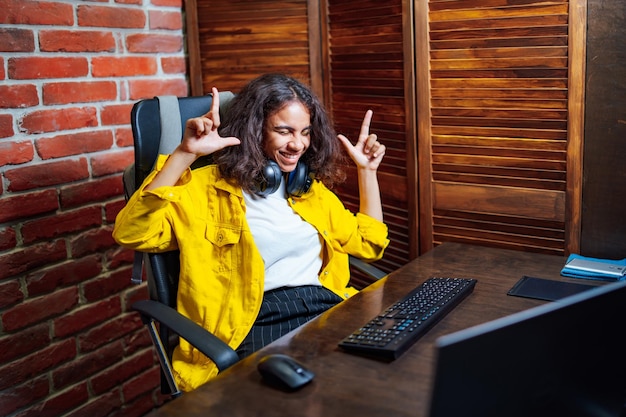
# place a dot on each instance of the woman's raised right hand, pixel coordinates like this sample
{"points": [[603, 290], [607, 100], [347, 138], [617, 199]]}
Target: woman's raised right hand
{"points": [[201, 136]]}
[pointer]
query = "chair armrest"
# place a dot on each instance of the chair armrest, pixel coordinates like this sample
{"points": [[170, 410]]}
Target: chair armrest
{"points": [[366, 268], [207, 343]]}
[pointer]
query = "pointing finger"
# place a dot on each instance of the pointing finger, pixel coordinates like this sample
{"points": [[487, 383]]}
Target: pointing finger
{"points": [[365, 126], [215, 108]]}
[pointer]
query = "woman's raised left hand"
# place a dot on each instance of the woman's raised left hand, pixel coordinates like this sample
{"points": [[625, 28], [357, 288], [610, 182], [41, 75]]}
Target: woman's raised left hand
{"points": [[368, 152]]}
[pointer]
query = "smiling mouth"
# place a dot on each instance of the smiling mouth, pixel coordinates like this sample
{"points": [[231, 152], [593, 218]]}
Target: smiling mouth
{"points": [[290, 156]]}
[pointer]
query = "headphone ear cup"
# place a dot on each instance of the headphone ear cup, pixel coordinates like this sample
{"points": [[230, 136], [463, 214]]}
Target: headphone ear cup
{"points": [[299, 181], [270, 179]]}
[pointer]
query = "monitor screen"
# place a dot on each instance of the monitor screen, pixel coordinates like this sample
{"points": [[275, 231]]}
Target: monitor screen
{"points": [[564, 358]]}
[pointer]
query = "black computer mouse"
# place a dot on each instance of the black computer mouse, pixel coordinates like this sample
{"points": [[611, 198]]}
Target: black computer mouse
{"points": [[284, 372]]}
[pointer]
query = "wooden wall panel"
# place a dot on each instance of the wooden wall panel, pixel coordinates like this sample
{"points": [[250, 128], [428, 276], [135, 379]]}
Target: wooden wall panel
{"points": [[370, 49], [495, 150], [604, 189]]}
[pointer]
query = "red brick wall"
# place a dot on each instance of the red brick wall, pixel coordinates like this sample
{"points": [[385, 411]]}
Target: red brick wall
{"points": [[69, 74]]}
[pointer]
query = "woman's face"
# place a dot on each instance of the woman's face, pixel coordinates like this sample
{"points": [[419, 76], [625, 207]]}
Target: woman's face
{"points": [[287, 135]]}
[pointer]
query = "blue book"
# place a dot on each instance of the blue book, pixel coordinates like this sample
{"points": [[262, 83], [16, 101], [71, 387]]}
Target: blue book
{"points": [[578, 266]]}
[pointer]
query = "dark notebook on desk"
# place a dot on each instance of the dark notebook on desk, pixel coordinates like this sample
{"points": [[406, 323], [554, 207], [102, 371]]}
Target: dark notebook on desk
{"points": [[565, 358], [546, 289]]}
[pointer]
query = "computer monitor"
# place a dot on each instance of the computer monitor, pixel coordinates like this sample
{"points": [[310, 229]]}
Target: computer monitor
{"points": [[565, 358]]}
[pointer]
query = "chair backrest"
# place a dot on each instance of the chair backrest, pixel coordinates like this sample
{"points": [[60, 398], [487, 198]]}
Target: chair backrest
{"points": [[146, 119]]}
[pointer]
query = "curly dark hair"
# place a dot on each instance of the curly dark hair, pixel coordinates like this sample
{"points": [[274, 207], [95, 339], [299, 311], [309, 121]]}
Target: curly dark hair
{"points": [[246, 117]]}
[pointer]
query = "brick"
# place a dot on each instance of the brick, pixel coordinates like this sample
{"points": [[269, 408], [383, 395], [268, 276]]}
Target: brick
{"points": [[26, 341], [74, 144], [7, 238], [113, 17], [60, 403], [166, 20], [154, 43], [112, 209], [53, 120], [140, 89], [138, 408], [14, 153], [122, 372], [31, 257], [116, 114], [36, 12], [118, 257], [91, 241], [60, 224], [174, 65], [101, 406], [111, 162], [71, 272], [171, 3], [10, 293], [141, 384], [86, 317], [37, 309], [119, 66], [76, 41], [79, 92], [22, 370], [134, 294], [111, 330], [26, 205], [124, 137], [86, 365], [18, 96], [43, 175], [6, 125], [35, 67], [93, 191], [16, 40], [138, 341], [19, 396], [106, 286]]}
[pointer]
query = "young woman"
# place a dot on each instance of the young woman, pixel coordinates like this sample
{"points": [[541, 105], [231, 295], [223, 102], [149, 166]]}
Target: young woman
{"points": [[263, 241]]}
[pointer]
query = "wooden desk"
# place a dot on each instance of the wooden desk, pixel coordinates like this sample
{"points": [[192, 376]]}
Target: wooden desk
{"points": [[350, 385]]}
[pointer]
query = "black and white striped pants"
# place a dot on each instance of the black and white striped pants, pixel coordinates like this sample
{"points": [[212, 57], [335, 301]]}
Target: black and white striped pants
{"points": [[283, 310]]}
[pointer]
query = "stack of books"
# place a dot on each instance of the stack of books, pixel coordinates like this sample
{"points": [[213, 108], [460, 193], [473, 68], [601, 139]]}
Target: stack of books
{"points": [[578, 266]]}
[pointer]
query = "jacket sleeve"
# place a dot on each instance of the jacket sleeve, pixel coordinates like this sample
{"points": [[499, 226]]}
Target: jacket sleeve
{"points": [[146, 222]]}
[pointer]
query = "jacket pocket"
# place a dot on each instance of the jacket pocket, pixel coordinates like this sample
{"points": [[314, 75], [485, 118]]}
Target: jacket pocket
{"points": [[222, 235]]}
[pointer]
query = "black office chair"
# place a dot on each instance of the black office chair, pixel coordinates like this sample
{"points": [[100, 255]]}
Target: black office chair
{"points": [[157, 126]]}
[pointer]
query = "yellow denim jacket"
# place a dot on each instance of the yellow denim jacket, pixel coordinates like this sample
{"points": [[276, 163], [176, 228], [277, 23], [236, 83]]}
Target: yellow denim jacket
{"points": [[221, 271]]}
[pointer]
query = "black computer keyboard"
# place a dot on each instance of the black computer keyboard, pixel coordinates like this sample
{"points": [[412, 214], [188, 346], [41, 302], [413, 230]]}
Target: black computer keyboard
{"points": [[400, 325]]}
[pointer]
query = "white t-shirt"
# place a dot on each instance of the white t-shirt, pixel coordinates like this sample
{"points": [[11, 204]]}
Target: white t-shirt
{"points": [[290, 247]]}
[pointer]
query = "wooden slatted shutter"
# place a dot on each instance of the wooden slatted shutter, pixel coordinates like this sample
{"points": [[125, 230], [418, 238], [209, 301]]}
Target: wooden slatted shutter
{"points": [[494, 156], [370, 53], [235, 41]]}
